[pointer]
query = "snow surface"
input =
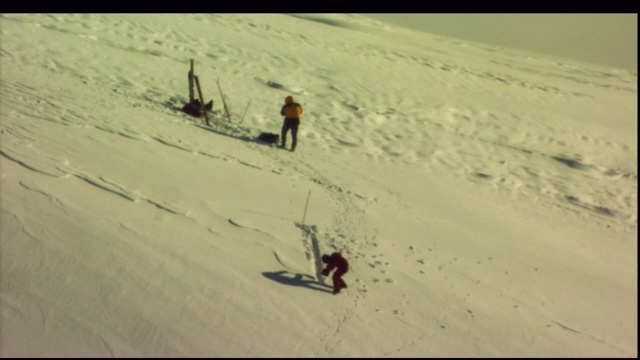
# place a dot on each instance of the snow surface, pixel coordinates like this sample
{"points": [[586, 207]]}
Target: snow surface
{"points": [[486, 198]]}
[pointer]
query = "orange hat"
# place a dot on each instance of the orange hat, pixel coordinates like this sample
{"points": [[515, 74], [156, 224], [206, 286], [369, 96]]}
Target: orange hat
{"points": [[288, 99]]}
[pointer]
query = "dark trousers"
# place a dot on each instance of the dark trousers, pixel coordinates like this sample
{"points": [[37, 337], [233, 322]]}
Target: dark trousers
{"points": [[290, 124], [338, 283]]}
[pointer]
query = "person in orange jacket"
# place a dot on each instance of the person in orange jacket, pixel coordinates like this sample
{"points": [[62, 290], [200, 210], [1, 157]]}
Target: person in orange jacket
{"points": [[336, 261], [291, 112]]}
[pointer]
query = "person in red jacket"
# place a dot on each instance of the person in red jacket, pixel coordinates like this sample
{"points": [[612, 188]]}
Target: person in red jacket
{"points": [[336, 261]]}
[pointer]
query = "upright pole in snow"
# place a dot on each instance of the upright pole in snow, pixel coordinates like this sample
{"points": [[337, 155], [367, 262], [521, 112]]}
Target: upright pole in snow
{"points": [[199, 91], [305, 207], [224, 103], [204, 111], [190, 75], [245, 111]]}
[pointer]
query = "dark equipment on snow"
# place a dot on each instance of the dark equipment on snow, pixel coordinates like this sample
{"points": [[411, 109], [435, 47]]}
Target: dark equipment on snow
{"points": [[196, 109], [269, 138]]}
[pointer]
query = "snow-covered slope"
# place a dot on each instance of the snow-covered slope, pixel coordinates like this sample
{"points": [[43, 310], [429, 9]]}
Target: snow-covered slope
{"points": [[486, 198]]}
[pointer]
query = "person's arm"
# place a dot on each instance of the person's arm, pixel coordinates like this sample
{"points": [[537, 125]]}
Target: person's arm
{"points": [[329, 267]]}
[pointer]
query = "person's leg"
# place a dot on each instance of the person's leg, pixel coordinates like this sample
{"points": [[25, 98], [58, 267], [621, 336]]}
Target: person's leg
{"points": [[285, 129], [337, 285], [338, 279], [294, 135]]}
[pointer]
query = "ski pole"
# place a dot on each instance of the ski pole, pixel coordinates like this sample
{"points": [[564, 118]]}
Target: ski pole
{"points": [[224, 103], [245, 111], [305, 207]]}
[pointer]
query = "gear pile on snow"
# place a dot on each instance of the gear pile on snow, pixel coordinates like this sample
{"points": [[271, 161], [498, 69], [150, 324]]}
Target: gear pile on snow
{"points": [[197, 107]]}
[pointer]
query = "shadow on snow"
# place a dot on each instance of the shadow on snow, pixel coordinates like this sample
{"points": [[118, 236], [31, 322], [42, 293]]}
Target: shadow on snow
{"points": [[302, 280]]}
